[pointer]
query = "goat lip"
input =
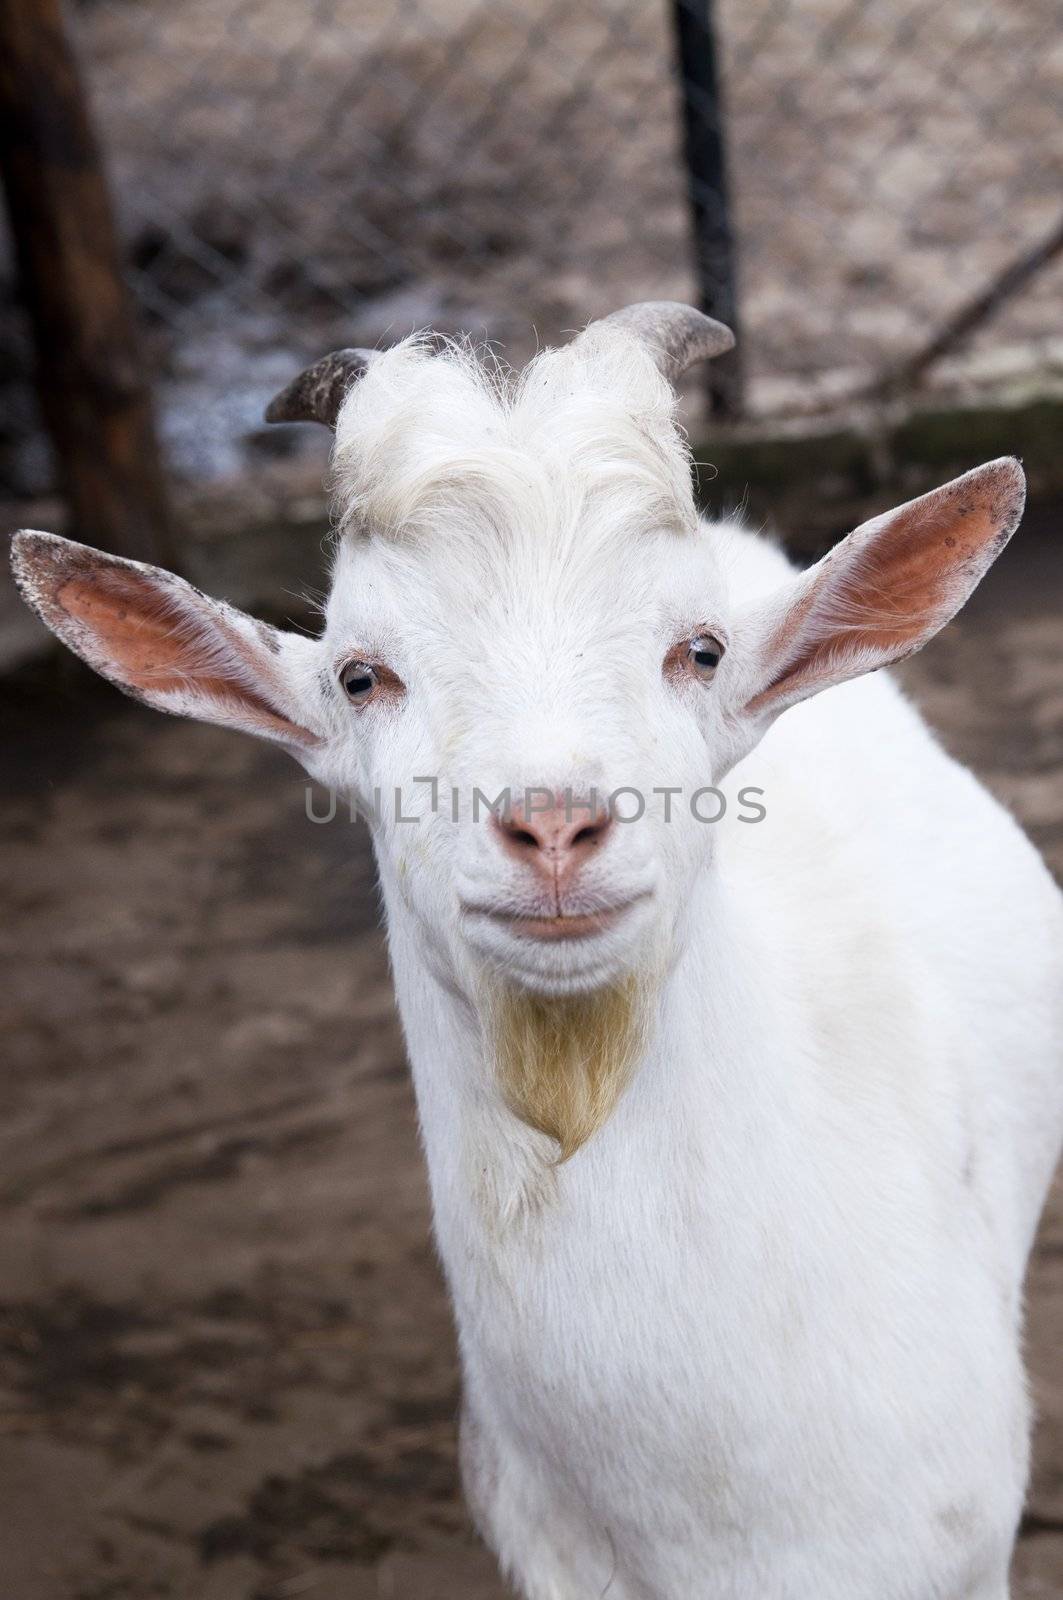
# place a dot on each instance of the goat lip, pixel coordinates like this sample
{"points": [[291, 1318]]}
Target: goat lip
{"points": [[565, 925]]}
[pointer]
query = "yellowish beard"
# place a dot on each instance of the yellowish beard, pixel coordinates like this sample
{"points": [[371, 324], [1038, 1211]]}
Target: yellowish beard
{"points": [[564, 1061]]}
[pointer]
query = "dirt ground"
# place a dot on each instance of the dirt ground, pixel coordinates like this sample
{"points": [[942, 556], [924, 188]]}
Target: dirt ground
{"points": [[226, 1363]]}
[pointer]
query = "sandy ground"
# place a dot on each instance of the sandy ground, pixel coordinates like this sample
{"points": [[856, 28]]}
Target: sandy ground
{"points": [[226, 1363], [293, 177], [518, 165]]}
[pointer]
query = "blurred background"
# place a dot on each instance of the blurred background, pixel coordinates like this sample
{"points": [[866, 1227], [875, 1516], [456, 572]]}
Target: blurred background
{"points": [[226, 1365]]}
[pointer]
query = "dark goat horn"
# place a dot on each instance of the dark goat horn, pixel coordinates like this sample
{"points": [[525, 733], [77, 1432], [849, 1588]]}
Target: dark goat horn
{"points": [[675, 335], [317, 394]]}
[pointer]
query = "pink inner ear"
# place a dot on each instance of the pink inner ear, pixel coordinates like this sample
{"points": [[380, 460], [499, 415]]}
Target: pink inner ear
{"points": [[889, 587], [146, 643]]}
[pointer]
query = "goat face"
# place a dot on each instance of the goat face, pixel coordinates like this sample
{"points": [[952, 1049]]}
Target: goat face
{"points": [[525, 611], [525, 615]]}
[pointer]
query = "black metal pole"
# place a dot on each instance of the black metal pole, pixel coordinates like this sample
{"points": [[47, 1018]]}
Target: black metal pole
{"points": [[704, 143]]}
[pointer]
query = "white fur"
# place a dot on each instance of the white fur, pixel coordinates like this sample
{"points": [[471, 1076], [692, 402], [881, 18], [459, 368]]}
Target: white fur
{"points": [[760, 1338]]}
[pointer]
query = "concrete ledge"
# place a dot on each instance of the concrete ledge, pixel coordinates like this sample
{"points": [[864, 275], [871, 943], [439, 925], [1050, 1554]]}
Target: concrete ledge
{"points": [[260, 543], [812, 485]]}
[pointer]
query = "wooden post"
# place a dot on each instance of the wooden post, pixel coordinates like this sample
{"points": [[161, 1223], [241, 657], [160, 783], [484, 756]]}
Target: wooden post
{"points": [[705, 148], [91, 373], [970, 317]]}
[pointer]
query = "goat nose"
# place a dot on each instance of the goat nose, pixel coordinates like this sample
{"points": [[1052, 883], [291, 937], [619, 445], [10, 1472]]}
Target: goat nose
{"points": [[554, 838]]}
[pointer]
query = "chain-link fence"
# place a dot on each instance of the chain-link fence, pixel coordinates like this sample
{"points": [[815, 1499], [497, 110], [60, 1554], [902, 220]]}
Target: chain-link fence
{"points": [[294, 176]]}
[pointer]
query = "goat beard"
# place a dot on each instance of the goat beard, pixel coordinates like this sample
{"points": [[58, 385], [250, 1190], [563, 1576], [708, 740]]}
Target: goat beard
{"points": [[563, 1062]]}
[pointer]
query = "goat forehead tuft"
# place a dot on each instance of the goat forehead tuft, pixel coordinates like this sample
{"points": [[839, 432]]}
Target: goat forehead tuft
{"points": [[584, 436]]}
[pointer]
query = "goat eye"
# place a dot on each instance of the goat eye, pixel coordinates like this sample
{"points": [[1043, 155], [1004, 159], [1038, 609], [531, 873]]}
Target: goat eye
{"points": [[703, 655], [358, 680]]}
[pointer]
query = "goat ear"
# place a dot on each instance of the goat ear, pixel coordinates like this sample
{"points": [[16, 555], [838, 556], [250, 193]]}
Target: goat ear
{"points": [[883, 592], [163, 642]]}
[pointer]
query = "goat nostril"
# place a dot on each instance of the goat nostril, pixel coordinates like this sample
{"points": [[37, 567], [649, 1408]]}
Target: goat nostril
{"points": [[552, 841]]}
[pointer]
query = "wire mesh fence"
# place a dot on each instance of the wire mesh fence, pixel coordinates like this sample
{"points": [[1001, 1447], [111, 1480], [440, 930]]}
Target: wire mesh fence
{"points": [[290, 177]]}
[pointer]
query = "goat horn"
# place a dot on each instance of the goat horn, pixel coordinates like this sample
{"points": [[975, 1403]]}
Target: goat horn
{"points": [[317, 393], [675, 335]]}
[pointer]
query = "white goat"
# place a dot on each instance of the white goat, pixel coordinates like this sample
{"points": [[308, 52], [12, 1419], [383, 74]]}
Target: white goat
{"points": [[737, 1133]]}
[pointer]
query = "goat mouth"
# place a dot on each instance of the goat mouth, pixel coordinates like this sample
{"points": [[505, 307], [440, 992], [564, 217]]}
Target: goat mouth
{"points": [[561, 925]]}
